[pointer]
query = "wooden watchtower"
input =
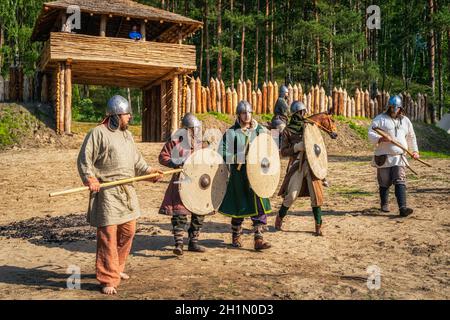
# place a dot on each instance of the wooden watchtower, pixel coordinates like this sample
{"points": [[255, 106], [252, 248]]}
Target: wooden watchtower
{"points": [[101, 53]]}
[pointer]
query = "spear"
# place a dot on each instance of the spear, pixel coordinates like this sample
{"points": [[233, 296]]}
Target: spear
{"points": [[115, 183], [384, 134]]}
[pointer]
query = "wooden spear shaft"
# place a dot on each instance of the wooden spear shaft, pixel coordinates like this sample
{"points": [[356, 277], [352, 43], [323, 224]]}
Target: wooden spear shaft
{"points": [[384, 134], [114, 183]]}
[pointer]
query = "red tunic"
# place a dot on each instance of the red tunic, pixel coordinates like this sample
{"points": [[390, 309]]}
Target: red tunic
{"points": [[172, 203]]}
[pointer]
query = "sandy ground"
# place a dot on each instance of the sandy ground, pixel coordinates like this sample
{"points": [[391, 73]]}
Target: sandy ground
{"points": [[41, 237]]}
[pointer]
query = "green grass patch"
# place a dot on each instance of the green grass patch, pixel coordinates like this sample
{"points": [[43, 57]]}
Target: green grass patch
{"points": [[14, 126], [219, 116], [266, 117], [361, 131], [435, 155]]}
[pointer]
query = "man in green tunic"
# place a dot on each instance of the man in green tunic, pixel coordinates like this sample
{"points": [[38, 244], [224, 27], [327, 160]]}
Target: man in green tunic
{"points": [[240, 200]]}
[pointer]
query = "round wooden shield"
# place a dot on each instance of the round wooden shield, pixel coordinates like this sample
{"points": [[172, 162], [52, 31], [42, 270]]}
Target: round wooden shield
{"points": [[263, 165], [203, 182], [316, 152]]}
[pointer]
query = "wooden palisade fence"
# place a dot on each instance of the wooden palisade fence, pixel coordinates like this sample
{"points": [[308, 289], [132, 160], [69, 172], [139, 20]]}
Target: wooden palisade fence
{"points": [[165, 103], [215, 97]]}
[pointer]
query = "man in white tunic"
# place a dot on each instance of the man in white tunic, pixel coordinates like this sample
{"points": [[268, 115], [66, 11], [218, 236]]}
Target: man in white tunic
{"points": [[110, 154], [389, 159]]}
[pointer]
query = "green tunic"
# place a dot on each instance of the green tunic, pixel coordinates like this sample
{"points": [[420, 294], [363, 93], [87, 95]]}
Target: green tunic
{"points": [[240, 200]]}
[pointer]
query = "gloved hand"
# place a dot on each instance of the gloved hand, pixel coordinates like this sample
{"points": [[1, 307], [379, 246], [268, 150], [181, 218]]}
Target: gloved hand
{"points": [[299, 147]]}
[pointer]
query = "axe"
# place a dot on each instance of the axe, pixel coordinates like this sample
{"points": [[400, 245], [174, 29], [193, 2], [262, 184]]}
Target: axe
{"points": [[384, 134], [114, 183]]}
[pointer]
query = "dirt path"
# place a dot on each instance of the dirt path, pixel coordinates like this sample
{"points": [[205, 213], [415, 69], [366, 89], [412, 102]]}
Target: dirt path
{"points": [[41, 237]]}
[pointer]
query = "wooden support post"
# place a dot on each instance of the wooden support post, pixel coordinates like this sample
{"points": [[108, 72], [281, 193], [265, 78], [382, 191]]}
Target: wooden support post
{"points": [[419, 104], [188, 100], [254, 101], [198, 95], [340, 104], [223, 95], [68, 98], [357, 103], [235, 100], [353, 108], [174, 115], [260, 102], [295, 93], [143, 31], [63, 17], [290, 94], [219, 97], [372, 108], [345, 109], [379, 102], [275, 93], [309, 103], [239, 90], [212, 85], [317, 99], [270, 97], [335, 98], [322, 97], [62, 97], [349, 107], [244, 91], [163, 124], [193, 94], [208, 99], [311, 92], [330, 104], [204, 106], [249, 91], [264, 98], [103, 21], [229, 101], [367, 104]]}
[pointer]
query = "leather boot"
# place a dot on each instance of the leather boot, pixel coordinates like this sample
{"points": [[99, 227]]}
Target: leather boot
{"points": [[280, 216], [278, 223], [193, 243], [178, 249], [319, 230], [236, 236], [400, 194], [178, 235], [260, 244], [384, 199]]}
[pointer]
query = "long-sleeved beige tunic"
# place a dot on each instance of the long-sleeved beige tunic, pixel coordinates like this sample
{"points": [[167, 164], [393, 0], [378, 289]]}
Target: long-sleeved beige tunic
{"points": [[111, 156]]}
